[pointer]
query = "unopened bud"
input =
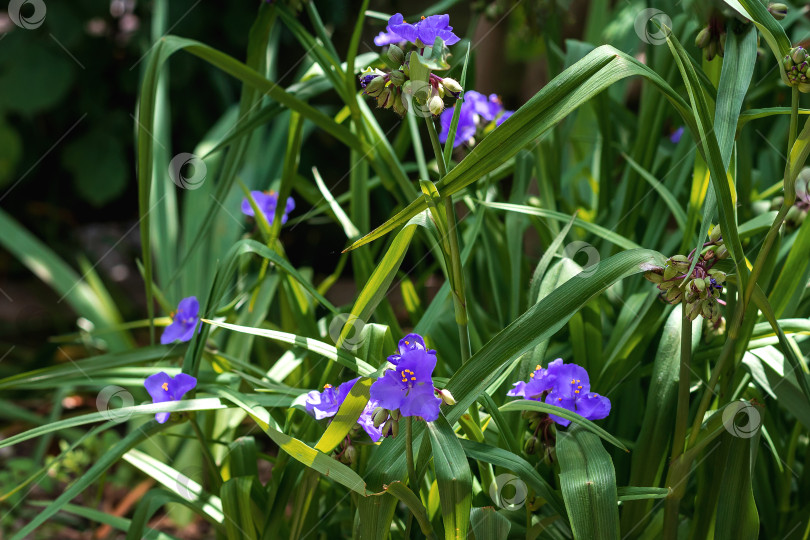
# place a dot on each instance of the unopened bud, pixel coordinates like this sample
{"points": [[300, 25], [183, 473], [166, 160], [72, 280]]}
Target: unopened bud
{"points": [[655, 277], [396, 55], [348, 455], [779, 11], [699, 284], [703, 38], [711, 51], [400, 105], [716, 234], [436, 105], [531, 445], [798, 55], [375, 86], [397, 78], [384, 100], [380, 415], [447, 397], [451, 85], [670, 272], [721, 252]]}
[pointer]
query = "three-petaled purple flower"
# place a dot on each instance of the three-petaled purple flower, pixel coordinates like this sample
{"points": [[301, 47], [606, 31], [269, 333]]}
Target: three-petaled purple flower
{"points": [[162, 387], [326, 404], [409, 387], [477, 111], [266, 202], [184, 321], [566, 386], [676, 135], [423, 33]]}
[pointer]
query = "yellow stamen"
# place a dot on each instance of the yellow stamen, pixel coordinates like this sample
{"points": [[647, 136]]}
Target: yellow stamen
{"points": [[165, 386], [327, 386], [413, 378]]}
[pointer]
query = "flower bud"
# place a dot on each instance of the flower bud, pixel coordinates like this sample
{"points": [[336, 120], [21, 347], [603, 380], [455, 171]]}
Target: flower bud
{"points": [[703, 38], [655, 277], [670, 272], [384, 100], [674, 295], [451, 85], [447, 397], [348, 456], [706, 310], [721, 45], [779, 11], [380, 415], [436, 105], [395, 428], [375, 86], [397, 78], [699, 284], [396, 55], [396, 415], [716, 234], [711, 50], [721, 252], [388, 428], [400, 105], [693, 310], [531, 445], [798, 55]]}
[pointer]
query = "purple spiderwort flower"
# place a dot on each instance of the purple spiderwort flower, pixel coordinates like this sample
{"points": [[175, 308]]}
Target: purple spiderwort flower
{"points": [[566, 386], [184, 321], [676, 135], [267, 201], [409, 387], [162, 387], [425, 31], [326, 404], [477, 110]]}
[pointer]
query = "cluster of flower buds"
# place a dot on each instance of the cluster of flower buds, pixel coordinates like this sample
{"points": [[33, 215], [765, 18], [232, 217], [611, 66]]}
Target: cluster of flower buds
{"points": [[389, 420], [395, 89], [712, 39], [779, 11], [539, 424], [796, 64], [701, 289]]}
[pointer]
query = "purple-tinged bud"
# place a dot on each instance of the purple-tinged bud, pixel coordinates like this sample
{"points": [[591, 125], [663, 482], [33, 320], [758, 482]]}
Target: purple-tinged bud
{"points": [[798, 55], [397, 78], [703, 38], [451, 85], [375, 86], [400, 105], [447, 397], [531, 445], [779, 11]]}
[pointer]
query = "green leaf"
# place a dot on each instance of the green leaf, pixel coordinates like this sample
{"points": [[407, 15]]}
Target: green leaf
{"points": [[414, 504], [346, 417], [453, 477], [97, 516], [488, 524], [588, 483], [737, 517]]}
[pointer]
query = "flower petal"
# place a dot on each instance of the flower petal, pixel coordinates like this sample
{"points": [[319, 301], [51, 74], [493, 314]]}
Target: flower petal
{"points": [[593, 406], [154, 385], [174, 332], [561, 400], [181, 384], [161, 417], [188, 308], [388, 391], [421, 401]]}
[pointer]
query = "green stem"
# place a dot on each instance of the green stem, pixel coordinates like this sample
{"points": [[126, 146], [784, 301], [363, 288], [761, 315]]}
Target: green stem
{"points": [[215, 477], [681, 417], [409, 455], [437, 148]]}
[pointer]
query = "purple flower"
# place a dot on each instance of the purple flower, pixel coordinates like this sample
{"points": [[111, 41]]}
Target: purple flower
{"points": [[425, 31], [326, 404], [409, 387], [266, 201], [409, 343], [163, 387], [477, 111], [184, 321], [566, 386], [676, 135]]}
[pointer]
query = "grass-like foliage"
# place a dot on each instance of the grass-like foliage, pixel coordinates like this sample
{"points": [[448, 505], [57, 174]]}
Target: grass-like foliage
{"points": [[525, 381]]}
